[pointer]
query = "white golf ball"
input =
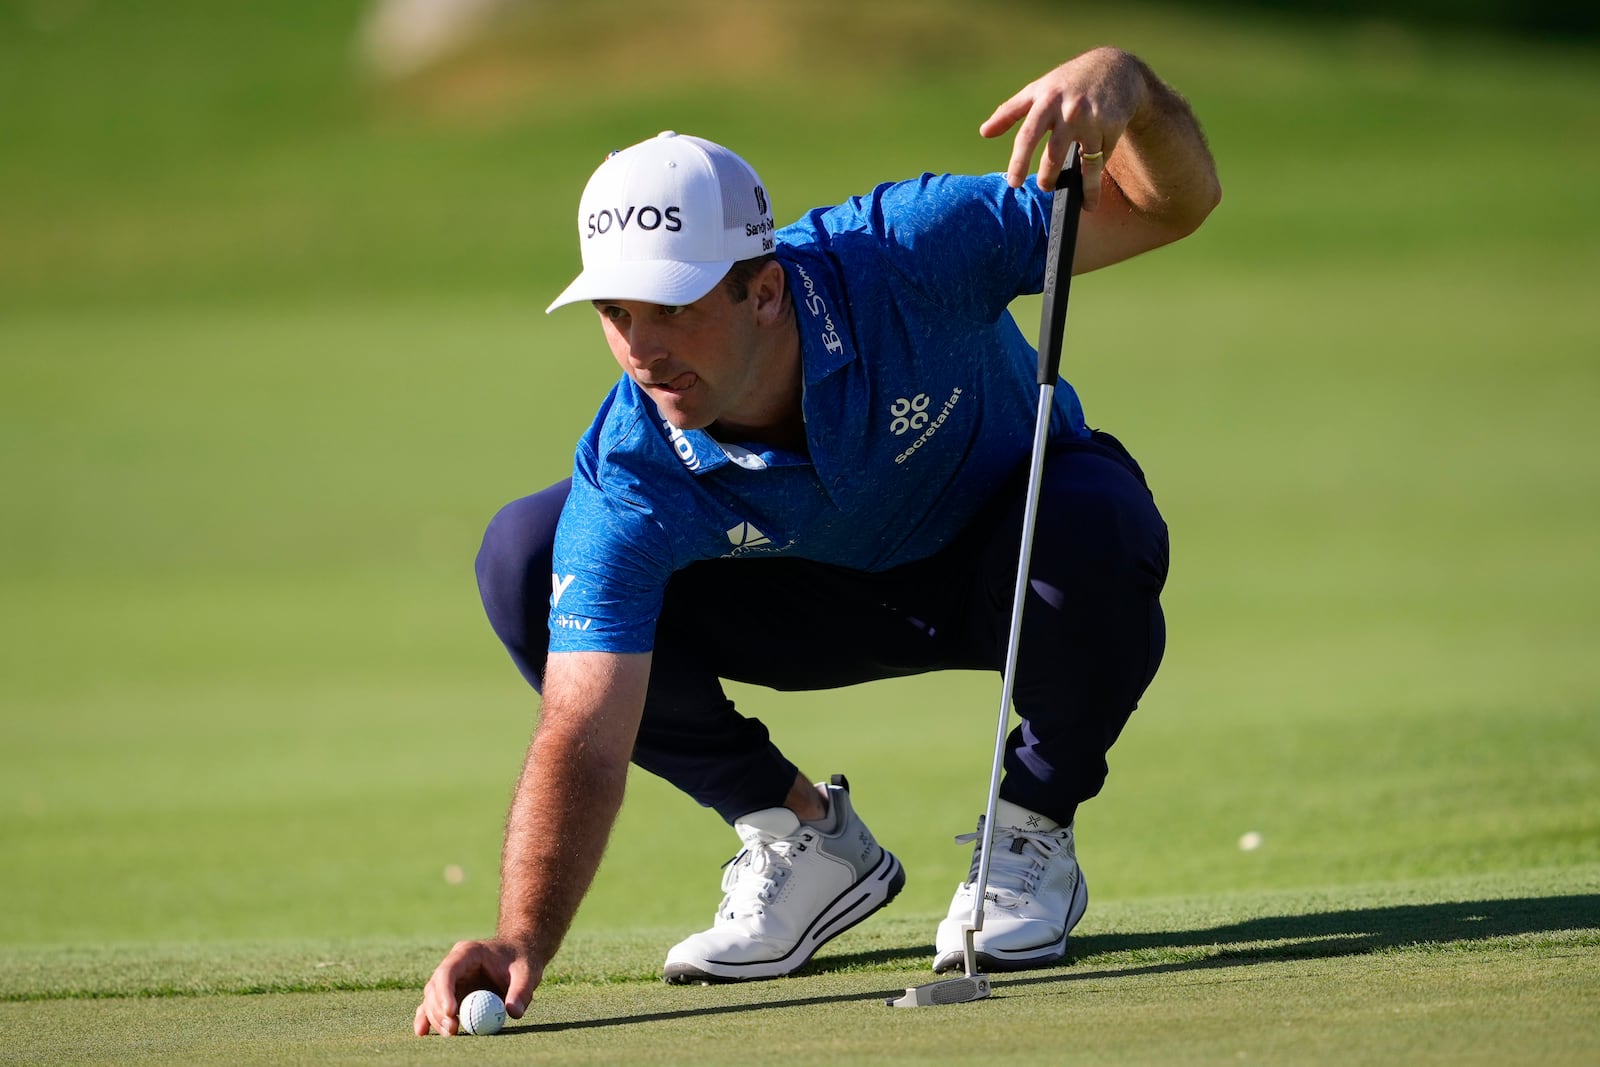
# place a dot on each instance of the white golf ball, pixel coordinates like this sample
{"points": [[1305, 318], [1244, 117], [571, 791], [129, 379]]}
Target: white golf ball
{"points": [[1249, 842], [482, 1013]]}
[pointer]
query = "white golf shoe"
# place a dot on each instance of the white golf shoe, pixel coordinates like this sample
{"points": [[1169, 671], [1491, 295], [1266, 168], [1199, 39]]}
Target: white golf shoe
{"points": [[1035, 896], [788, 891]]}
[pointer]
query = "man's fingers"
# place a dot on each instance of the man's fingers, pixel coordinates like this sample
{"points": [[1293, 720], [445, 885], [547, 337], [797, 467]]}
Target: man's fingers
{"points": [[1006, 115], [1033, 130], [474, 965], [1094, 168], [1050, 118], [440, 1002], [439, 1005], [1032, 110], [438, 1009], [432, 1017], [1091, 190], [1054, 160], [1077, 101], [519, 989]]}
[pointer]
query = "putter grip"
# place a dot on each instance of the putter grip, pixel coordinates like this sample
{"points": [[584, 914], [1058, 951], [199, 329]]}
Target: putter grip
{"points": [[1064, 212]]}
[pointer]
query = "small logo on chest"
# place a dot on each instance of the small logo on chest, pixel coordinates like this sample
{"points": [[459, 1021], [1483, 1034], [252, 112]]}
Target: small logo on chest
{"points": [[745, 535], [909, 414], [912, 414]]}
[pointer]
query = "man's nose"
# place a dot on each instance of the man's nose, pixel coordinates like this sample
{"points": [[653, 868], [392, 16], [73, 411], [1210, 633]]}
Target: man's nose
{"points": [[645, 346]]}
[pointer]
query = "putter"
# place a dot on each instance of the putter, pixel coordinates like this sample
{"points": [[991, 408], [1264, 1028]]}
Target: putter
{"points": [[1053, 317]]}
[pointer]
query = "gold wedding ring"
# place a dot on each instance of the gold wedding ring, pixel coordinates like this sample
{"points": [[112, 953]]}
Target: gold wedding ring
{"points": [[1093, 157]]}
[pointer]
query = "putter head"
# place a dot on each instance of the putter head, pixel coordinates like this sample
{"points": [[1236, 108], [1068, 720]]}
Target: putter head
{"points": [[970, 986], [950, 991]]}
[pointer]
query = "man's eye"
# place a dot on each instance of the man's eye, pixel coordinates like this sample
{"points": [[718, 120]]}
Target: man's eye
{"points": [[614, 313], [673, 309]]}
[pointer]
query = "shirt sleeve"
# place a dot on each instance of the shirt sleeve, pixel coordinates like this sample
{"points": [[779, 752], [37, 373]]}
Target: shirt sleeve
{"points": [[610, 569], [969, 243]]}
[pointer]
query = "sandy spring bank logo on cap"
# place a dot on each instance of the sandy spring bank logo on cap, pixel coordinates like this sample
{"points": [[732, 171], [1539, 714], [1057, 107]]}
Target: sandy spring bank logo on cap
{"points": [[763, 227]]}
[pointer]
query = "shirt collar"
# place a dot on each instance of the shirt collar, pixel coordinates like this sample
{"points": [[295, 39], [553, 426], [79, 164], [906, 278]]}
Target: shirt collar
{"points": [[819, 313]]}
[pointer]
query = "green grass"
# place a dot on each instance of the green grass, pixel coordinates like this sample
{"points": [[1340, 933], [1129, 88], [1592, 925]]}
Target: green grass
{"points": [[1432, 971], [271, 352]]}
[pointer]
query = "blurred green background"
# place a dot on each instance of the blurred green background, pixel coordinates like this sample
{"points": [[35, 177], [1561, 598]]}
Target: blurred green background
{"points": [[272, 351]]}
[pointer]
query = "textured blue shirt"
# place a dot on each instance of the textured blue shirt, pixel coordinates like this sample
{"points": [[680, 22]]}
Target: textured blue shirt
{"points": [[919, 400]]}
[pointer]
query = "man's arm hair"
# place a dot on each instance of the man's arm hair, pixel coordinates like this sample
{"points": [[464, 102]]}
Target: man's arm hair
{"points": [[1160, 181], [569, 793]]}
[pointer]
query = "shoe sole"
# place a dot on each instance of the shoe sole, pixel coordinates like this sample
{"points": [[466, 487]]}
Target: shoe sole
{"points": [[1022, 959], [879, 886]]}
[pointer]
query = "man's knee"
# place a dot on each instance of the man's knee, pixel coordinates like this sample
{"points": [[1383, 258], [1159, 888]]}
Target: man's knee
{"points": [[513, 568], [518, 536], [1103, 527]]}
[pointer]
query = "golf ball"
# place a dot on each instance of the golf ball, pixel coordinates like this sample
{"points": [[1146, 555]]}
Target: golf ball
{"points": [[1249, 842], [482, 1013]]}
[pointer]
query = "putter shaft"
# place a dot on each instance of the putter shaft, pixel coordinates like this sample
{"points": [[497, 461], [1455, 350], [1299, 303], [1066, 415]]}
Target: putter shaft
{"points": [[1057, 284]]}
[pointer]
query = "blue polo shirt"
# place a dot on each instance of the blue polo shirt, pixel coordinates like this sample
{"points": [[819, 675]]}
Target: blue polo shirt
{"points": [[919, 400]]}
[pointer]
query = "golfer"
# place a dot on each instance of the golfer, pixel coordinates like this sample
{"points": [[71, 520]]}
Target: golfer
{"points": [[811, 474]]}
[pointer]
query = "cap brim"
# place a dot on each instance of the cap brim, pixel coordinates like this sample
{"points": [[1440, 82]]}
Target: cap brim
{"points": [[657, 281]]}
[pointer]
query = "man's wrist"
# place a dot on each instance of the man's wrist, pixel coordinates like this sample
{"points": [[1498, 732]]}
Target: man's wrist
{"points": [[518, 937]]}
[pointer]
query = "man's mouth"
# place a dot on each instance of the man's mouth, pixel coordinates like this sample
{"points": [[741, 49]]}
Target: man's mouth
{"points": [[679, 384]]}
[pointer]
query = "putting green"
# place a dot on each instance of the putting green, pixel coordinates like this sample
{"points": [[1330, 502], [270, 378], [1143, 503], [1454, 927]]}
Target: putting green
{"points": [[271, 352]]}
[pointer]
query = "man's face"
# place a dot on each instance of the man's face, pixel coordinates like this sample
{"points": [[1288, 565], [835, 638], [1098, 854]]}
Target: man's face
{"points": [[696, 361]]}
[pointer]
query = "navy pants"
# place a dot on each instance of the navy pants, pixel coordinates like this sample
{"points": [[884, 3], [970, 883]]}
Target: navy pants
{"points": [[1093, 632]]}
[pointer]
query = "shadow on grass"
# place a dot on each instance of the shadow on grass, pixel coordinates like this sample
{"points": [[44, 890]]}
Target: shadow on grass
{"points": [[1363, 930], [1328, 935], [691, 1013], [1266, 939]]}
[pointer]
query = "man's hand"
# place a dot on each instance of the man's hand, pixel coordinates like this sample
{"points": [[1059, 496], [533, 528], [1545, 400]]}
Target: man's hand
{"points": [[497, 965], [1090, 99], [561, 814], [1148, 176]]}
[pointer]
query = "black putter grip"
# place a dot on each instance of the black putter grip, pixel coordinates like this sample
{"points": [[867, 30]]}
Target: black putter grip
{"points": [[1064, 213]]}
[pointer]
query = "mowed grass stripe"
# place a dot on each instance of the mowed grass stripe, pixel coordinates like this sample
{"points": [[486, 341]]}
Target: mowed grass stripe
{"points": [[1550, 912], [1471, 1006]]}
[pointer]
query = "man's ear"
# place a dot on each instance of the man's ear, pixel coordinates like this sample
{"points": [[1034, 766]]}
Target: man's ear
{"points": [[768, 289]]}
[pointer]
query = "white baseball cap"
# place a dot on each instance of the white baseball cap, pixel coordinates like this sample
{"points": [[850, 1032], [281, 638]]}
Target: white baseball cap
{"points": [[662, 222]]}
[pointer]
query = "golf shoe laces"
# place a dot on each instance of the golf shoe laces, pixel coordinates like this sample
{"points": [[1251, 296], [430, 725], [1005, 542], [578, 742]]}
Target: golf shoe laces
{"points": [[1017, 860], [754, 877]]}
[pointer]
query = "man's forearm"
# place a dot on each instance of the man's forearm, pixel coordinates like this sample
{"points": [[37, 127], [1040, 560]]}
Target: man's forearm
{"points": [[567, 800], [1162, 166], [561, 816]]}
